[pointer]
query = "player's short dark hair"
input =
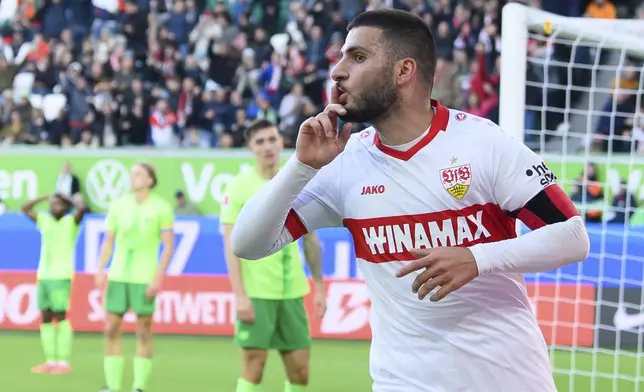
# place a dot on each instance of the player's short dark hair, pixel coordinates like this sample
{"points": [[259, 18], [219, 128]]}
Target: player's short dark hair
{"points": [[405, 35], [152, 172], [255, 127], [66, 200]]}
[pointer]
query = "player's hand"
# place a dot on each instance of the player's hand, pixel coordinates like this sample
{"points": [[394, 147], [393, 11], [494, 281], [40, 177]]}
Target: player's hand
{"points": [[449, 268], [153, 289], [319, 300], [245, 311], [318, 142], [99, 280]]}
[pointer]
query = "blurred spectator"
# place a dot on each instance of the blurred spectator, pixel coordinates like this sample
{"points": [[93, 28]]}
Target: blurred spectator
{"points": [[447, 84], [184, 207], [624, 205], [192, 73], [67, 183], [601, 9], [588, 190]]}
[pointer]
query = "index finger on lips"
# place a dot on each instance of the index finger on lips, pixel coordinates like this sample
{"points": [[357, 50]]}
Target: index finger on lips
{"points": [[335, 94], [335, 109]]}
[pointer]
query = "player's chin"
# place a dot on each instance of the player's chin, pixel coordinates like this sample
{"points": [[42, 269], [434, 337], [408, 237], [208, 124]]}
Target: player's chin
{"points": [[271, 159]]}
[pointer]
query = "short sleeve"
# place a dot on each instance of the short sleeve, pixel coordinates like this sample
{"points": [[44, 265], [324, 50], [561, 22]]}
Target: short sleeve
{"points": [[232, 203], [42, 220], [111, 218], [518, 174], [166, 218], [319, 204]]}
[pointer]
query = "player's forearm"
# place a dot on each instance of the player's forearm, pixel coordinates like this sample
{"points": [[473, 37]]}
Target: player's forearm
{"points": [[234, 265], [235, 274], [313, 255], [547, 248], [105, 254], [260, 229], [28, 206], [164, 261]]}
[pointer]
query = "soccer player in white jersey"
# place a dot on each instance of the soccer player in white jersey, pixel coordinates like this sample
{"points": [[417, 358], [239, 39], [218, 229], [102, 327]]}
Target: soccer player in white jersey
{"points": [[430, 196]]}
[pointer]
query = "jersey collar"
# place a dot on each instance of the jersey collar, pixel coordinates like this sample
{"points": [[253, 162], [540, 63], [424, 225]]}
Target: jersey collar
{"points": [[439, 123]]}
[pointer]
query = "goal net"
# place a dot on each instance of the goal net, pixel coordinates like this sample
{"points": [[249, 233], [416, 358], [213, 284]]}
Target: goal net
{"points": [[572, 90]]}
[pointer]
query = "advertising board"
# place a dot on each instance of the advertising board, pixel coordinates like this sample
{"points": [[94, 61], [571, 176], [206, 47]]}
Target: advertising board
{"points": [[205, 305], [204, 174], [197, 288]]}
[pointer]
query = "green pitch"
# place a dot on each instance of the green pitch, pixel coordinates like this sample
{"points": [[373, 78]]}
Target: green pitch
{"points": [[212, 364]]}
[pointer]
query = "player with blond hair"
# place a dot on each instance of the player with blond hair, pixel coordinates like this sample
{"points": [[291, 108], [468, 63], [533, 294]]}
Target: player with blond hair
{"points": [[137, 224]]}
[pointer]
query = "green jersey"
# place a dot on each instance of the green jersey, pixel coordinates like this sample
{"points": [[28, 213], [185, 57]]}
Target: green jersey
{"points": [[57, 247], [137, 229], [279, 276]]}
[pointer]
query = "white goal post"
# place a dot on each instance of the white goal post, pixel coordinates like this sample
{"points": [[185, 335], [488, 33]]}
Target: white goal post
{"points": [[579, 103], [518, 20]]}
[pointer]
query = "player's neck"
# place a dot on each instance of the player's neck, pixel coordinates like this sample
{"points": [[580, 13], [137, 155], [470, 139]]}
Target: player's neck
{"points": [[404, 125], [141, 195], [267, 172]]}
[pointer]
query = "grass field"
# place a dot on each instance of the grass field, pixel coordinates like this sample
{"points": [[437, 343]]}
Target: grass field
{"points": [[212, 364]]}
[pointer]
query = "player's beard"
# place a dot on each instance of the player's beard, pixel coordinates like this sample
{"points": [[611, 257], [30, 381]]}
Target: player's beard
{"points": [[374, 101]]}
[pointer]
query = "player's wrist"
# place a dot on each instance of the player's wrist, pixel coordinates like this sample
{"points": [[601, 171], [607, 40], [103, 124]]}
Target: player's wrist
{"points": [[301, 168], [480, 259], [241, 296]]}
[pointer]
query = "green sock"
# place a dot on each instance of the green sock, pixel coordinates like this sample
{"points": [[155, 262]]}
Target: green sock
{"points": [[288, 387], [246, 386], [48, 341], [142, 369], [64, 341], [113, 367]]}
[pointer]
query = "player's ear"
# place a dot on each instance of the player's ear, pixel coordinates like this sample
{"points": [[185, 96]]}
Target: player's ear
{"points": [[404, 71]]}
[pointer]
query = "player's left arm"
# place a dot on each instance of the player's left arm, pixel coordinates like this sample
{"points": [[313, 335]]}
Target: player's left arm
{"points": [[167, 239], [526, 189], [313, 255]]}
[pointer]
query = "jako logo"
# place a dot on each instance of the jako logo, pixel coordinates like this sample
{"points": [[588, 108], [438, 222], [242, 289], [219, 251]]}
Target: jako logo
{"points": [[373, 190], [107, 180], [541, 170]]}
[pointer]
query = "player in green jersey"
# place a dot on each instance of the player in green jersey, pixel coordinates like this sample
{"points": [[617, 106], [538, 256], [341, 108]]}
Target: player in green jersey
{"points": [[136, 225], [58, 229], [269, 292]]}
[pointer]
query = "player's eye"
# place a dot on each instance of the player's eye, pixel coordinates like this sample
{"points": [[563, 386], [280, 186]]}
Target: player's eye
{"points": [[359, 58], [272, 139], [259, 142]]}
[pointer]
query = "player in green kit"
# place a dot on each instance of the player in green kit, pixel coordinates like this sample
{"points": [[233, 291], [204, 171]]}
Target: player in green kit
{"points": [[136, 225], [269, 292], [58, 229]]}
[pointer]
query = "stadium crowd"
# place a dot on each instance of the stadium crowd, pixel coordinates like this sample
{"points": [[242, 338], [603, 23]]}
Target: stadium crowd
{"points": [[193, 73]]}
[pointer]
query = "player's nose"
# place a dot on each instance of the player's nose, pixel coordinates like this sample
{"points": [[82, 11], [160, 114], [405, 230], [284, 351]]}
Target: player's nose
{"points": [[339, 72]]}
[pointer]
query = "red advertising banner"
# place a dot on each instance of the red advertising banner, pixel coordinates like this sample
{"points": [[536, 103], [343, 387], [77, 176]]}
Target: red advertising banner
{"points": [[204, 305]]}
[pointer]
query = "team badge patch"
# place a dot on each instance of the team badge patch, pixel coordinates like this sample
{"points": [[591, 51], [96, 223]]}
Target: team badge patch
{"points": [[456, 180]]}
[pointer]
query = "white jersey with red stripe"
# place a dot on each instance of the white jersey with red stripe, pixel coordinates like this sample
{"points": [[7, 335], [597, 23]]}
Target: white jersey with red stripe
{"points": [[457, 186]]}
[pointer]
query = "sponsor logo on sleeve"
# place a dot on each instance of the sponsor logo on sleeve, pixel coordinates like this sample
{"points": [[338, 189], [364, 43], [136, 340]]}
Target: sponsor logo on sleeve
{"points": [[541, 171]]}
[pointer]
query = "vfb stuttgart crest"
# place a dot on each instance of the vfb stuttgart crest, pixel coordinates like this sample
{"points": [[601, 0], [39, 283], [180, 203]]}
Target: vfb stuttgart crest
{"points": [[456, 180]]}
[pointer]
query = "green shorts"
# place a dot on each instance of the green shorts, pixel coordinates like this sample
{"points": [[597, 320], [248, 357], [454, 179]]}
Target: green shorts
{"points": [[54, 294], [121, 297], [279, 324]]}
